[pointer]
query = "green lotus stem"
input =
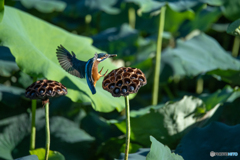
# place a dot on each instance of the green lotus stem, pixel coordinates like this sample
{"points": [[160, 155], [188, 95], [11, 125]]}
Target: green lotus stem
{"points": [[128, 128], [131, 17], [199, 87], [236, 45], [33, 127], [158, 56], [47, 130]]}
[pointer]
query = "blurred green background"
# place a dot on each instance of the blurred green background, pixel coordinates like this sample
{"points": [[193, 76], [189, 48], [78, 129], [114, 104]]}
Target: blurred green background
{"points": [[198, 87]]}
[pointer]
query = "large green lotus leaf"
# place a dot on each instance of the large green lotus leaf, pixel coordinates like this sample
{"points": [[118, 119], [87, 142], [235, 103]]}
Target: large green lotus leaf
{"points": [[167, 123], [217, 137], [230, 76], [7, 62], [1, 9], [98, 127], [234, 28], [117, 40], [85, 7], [202, 21], [53, 155], [139, 155], [198, 55], [45, 6], [33, 42], [220, 96], [15, 136], [31, 157], [231, 9], [11, 96], [72, 134], [147, 6], [173, 19], [230, 113], [17, 128], [160, 152]]}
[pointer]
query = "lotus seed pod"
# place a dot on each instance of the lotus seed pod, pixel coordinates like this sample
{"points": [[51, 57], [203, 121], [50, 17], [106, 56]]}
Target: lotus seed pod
{"points": [[44, 89], [124, 81]]}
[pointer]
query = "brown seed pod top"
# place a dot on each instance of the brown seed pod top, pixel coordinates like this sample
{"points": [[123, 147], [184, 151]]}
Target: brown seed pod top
{"points": [[124, 81], [45, 89]]}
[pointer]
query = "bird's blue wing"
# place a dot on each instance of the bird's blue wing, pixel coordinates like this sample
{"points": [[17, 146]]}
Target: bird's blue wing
{"points": [[70, 63], [88, 71]]}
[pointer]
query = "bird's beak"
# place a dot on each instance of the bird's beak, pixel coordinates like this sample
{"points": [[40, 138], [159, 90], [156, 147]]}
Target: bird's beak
{"points": [[112, 55]]}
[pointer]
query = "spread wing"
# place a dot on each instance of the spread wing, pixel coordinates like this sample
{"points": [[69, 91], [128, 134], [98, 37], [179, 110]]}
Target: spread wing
{"points": [[70, 63], [88, 71]]}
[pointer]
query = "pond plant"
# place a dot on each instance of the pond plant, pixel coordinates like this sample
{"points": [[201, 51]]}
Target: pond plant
{"points": [[122, 82], [188, 51], [43, 90]]}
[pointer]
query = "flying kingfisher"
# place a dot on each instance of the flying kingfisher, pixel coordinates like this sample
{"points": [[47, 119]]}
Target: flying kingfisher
{"points": [[82, 69]]}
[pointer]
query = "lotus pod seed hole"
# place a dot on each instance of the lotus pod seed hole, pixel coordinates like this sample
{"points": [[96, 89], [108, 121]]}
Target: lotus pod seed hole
{"points": [[126, 75], [118, 78], [111, 86], [58, 89], [41, 91], [130, 70], [116, 91], [134, 76], [112, 74], [119, 84], [36, 87], [132, 88], [50, 90], [112, 79], [136, 81], [139, 73], [141, 79], [51, 85], [44, 85], [124, 89], [107, 83], [119, 72], [127, 80], [32, 94]]}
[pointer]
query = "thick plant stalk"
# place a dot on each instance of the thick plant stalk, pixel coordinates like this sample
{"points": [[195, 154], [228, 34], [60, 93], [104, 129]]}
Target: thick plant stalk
{"points": [[158, 57], [128, 128], [47, 130], [131, 17], [199, 87], [33, 127], [236, 46]]}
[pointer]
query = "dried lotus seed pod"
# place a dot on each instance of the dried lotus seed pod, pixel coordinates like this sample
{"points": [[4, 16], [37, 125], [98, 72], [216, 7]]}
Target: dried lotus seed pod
{"points": [[124, 81], [45, 89]]}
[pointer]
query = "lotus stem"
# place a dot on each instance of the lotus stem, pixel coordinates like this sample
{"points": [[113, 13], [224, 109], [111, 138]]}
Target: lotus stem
{"points": [[47, 130], [236, 45], [131, 17], [158, 56], [33, 127], [199, 87], [128, 127]]}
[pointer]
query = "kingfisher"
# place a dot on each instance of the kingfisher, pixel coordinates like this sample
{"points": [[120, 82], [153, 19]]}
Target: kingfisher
{"points": [[82, 69]]}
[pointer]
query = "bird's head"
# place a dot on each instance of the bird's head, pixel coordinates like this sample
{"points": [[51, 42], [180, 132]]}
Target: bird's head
{"points": [[102, 56]]}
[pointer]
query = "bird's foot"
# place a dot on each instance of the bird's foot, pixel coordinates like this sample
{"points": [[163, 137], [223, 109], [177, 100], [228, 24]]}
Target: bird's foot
{"points": [[105, 74], [100, 71]]}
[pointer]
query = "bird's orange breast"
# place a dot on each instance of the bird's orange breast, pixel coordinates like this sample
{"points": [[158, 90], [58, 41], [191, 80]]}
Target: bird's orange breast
{"points": [[95, 75]]}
